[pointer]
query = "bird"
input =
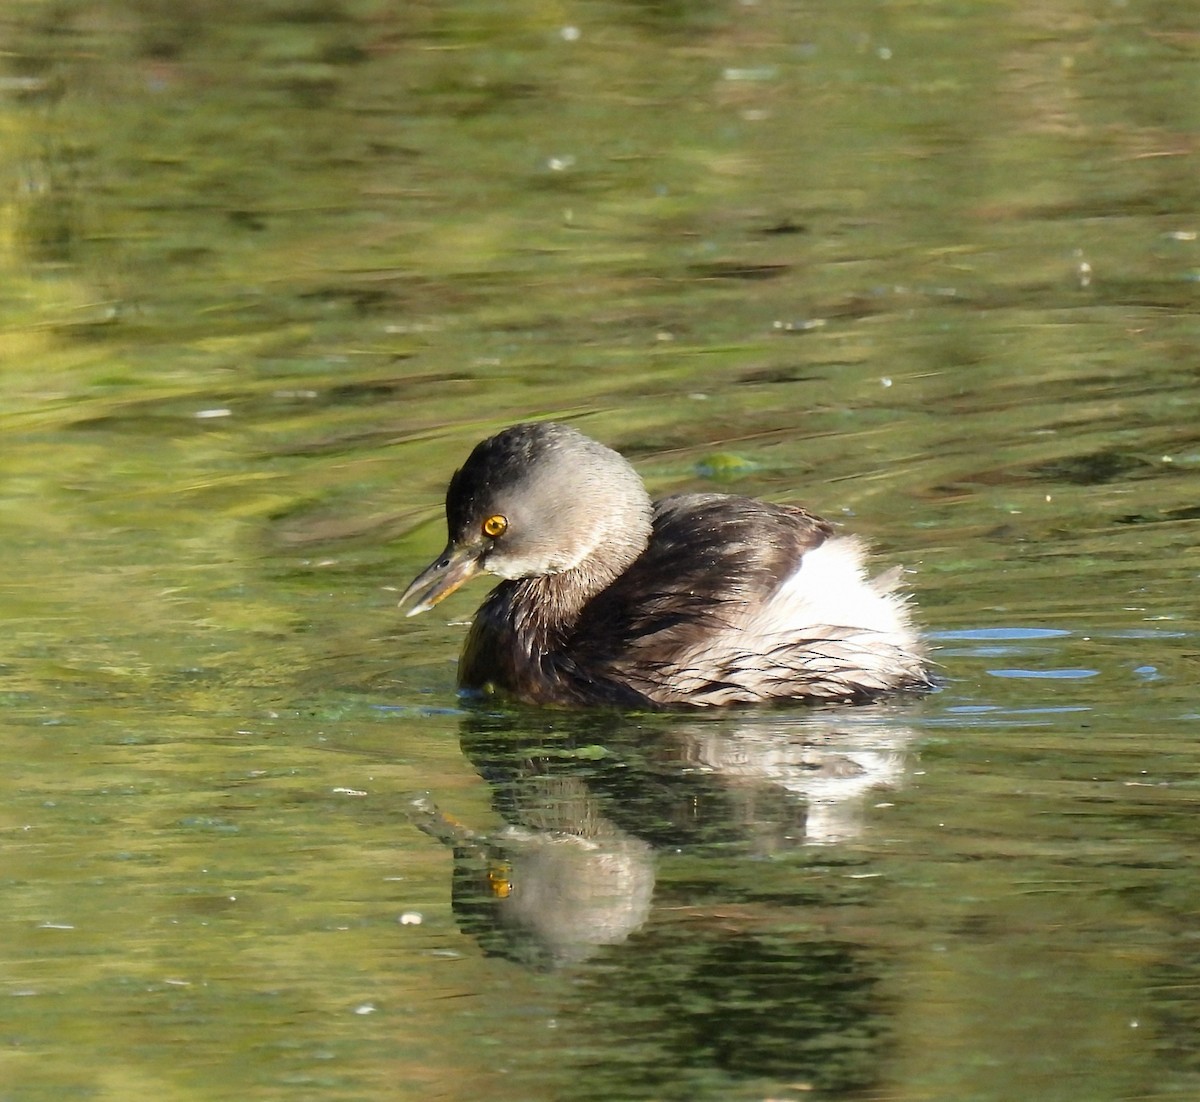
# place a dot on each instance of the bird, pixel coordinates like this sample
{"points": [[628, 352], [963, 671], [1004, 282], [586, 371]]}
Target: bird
{"points": [[696, 600]]}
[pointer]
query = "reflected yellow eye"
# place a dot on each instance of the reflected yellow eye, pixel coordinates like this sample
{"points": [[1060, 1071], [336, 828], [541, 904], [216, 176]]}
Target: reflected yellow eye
{"points": [[495, 526]]}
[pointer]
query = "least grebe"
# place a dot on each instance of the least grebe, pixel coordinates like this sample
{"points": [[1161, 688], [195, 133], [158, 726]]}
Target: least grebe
{"points": [[610, 598]]}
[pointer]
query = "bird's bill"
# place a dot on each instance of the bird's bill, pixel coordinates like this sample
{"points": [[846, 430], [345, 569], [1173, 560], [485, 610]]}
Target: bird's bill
{"points": [[454, 567]]}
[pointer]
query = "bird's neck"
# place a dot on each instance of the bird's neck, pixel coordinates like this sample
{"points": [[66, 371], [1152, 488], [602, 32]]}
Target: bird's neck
{"points": [[546, 608], [525, 628]]}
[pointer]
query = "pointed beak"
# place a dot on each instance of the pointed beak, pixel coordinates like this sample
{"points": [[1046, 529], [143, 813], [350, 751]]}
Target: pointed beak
{"points": [[451, 569]]}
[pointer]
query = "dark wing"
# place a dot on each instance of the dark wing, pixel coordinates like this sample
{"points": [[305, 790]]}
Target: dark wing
{"points": [[710, 557]]}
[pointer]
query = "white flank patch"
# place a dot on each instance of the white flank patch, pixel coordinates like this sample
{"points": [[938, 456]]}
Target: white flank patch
{"points": [[830, 589]]}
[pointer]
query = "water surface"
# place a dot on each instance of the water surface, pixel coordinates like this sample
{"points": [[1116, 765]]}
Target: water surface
{"points": [[267, 272]]}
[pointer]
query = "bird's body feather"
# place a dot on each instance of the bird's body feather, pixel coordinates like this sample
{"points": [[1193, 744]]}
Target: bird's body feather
{"points": [[733, 601]]}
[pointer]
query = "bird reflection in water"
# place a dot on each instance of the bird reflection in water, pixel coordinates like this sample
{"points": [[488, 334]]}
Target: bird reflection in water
{"points": [[590, 806]]}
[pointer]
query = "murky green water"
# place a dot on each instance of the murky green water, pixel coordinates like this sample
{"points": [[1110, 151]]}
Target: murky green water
{"points": [[268, 270]]}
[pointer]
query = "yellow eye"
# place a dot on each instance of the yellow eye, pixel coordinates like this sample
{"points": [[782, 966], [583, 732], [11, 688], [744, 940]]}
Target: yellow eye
{"points": [[495, 527]]}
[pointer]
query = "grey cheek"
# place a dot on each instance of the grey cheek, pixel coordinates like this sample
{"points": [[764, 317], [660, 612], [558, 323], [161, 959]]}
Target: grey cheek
{"points": [[497, 563]]}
